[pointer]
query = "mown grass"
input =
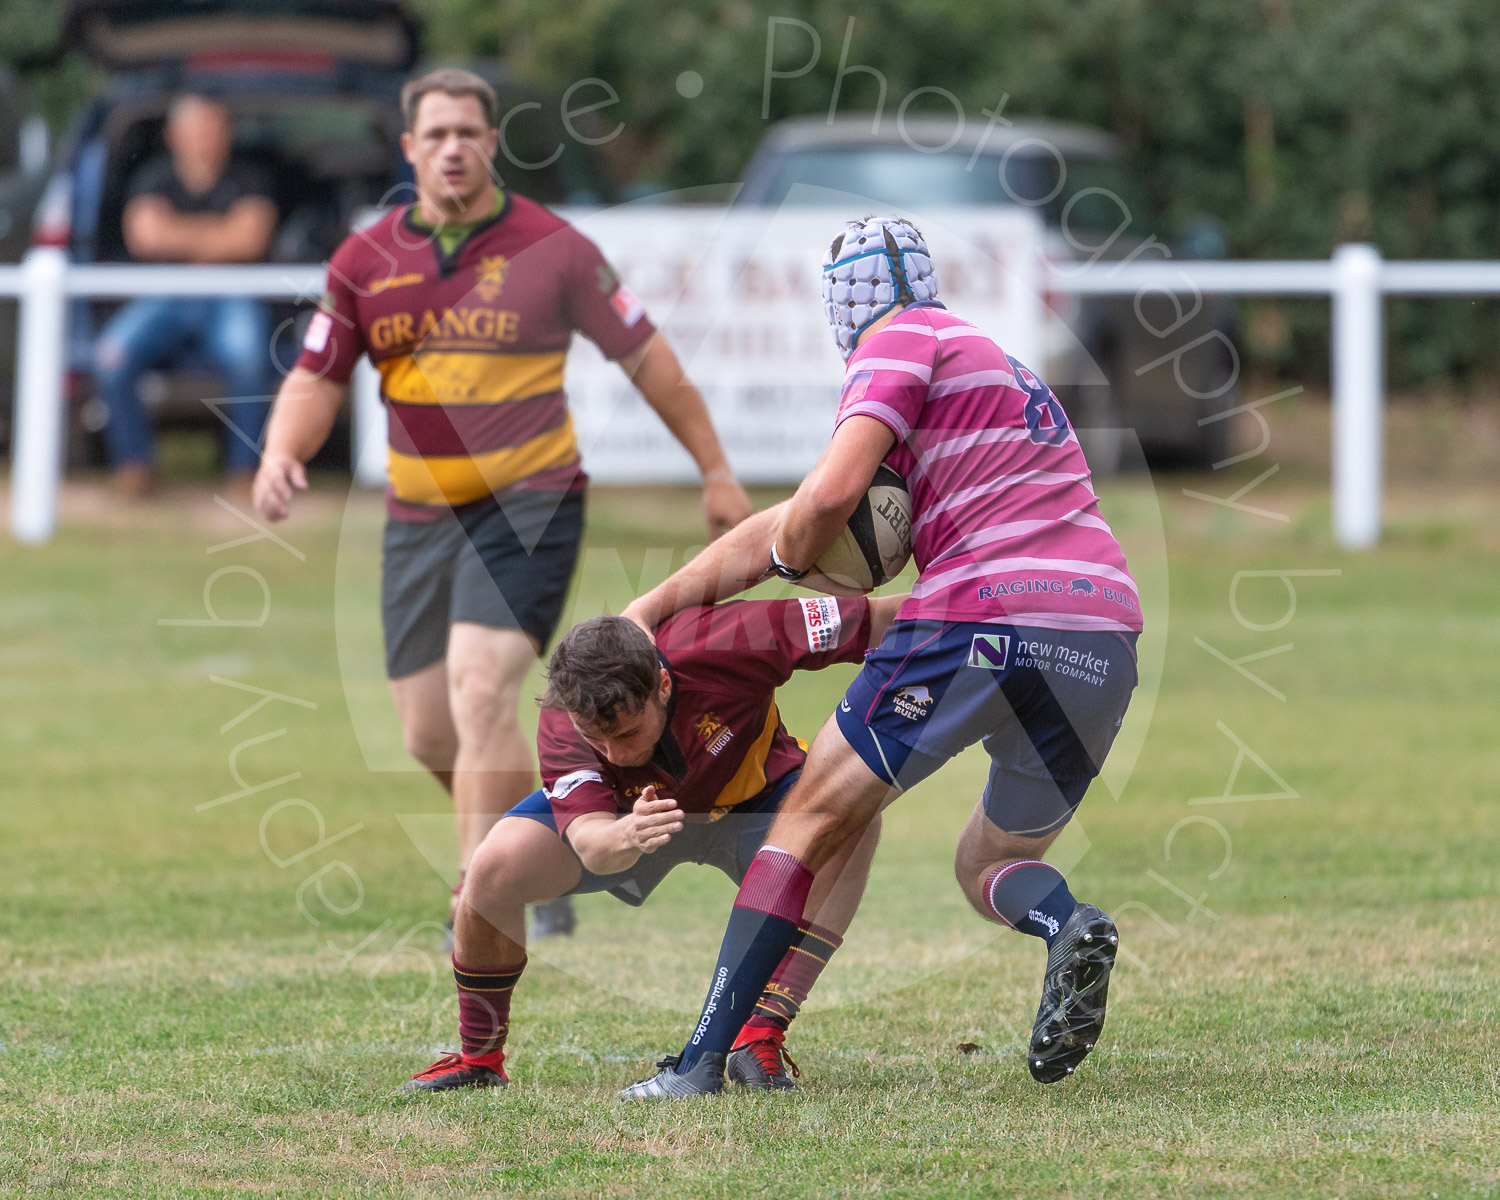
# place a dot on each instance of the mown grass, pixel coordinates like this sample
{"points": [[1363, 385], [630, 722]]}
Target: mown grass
{"points": [[1310, 1005]]}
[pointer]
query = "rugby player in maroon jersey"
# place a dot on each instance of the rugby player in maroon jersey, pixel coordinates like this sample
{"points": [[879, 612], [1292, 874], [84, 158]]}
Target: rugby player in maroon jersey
{"points": [[466, 302], [654, 755]]}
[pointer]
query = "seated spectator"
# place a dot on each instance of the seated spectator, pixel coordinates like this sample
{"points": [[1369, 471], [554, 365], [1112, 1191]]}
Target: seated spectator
{"points": [[195, 205]]}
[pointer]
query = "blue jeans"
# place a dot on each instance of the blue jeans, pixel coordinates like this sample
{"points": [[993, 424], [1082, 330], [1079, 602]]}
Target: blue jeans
{"points": [[233, 332]]}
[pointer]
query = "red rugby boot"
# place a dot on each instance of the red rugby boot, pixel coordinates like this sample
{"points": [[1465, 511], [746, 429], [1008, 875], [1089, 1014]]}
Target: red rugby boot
{"points": [[451, 1071]]}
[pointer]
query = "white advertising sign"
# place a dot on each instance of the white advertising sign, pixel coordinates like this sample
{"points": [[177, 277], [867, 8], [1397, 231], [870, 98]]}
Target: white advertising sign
{"points": [[736, 292]]}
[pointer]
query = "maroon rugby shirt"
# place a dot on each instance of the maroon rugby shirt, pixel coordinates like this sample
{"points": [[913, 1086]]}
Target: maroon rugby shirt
{"points": [[470, 347], [724, 739]]}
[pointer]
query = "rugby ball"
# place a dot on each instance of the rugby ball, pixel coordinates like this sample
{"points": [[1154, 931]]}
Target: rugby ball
{"points": [[875, 544]]}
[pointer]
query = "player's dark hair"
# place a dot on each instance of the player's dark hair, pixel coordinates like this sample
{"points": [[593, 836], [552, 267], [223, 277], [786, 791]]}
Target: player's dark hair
{"points": [[602, 667], [451, 81]]}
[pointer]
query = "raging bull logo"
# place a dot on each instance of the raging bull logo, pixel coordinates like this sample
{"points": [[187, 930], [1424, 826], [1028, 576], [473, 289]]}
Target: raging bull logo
{"points": [[913, 703]]}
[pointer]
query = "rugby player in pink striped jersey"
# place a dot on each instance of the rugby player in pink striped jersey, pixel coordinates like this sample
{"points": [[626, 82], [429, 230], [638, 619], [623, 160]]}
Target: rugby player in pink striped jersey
{"points": [[1020, 633]]}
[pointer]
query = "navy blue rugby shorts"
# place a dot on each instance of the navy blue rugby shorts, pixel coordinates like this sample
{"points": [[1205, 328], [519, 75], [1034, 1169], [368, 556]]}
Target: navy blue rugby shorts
{"points": [[1046, 704]]}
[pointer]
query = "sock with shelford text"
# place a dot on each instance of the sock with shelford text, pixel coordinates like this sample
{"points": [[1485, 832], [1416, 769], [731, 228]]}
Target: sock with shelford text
{"points": [[1031, 897], [484, 1011], [795, 975], [763, 924]]}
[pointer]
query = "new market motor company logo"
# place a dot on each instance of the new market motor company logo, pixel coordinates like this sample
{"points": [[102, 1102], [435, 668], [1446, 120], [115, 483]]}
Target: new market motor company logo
{"points": [[990, 651]]}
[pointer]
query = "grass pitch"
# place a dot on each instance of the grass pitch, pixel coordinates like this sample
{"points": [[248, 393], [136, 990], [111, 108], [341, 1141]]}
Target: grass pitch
{"points": [[210, 998]]}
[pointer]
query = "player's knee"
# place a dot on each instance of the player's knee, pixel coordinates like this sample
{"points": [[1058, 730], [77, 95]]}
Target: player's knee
{"points": [[483, 704], [430, 744], [492, 872]]}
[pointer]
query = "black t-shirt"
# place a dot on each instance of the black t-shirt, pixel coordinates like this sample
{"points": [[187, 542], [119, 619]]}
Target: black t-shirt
{"points": [[240, 179]]}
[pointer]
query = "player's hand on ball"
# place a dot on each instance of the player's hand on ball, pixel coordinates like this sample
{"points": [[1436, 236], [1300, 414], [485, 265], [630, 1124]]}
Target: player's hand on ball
{"points": [[279, 475], [652, 822]]}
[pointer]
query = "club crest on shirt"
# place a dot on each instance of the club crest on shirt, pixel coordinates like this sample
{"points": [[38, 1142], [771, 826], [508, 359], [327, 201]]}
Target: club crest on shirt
{"points": [[490, 276], [715, 734]]}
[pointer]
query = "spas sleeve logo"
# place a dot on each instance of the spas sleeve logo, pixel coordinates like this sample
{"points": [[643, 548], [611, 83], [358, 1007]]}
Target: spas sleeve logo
{"points": [[820, 615]]}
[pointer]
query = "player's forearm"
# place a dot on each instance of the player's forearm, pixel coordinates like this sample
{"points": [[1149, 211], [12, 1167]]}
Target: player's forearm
{"points": [[305, 410], [883, 611], [602, 846], [659, 377], [822, 506], [725, 568], [813, 520]]}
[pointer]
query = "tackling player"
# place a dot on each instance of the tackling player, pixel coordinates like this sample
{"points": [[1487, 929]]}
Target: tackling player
{"points": [[1020, 632], [654, 755], [466, 302]]}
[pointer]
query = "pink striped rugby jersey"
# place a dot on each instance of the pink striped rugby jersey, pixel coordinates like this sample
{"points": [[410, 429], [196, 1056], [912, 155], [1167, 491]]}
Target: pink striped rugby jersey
{"points": [[1005, 523]]}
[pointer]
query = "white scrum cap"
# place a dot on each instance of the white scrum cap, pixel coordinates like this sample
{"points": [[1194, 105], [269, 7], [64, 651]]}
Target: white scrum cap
{"points": [[872, 266]]}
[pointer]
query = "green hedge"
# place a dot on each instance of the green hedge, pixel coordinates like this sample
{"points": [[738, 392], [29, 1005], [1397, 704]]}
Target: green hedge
{"points": [[1297, 124]]}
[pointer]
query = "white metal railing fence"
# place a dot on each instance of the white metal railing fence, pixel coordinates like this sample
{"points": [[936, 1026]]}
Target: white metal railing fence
{"points": [[1356, 279], [46, 280]]}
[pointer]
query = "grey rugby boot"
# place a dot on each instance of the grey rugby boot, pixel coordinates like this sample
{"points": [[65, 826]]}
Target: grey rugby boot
{"points": [[763, 1064], [1074, 992], [703, 1078], [553, 918]]}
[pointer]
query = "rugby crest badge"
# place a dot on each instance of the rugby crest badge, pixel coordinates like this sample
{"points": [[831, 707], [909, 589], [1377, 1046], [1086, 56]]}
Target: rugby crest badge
{"points": [[490, 276]]}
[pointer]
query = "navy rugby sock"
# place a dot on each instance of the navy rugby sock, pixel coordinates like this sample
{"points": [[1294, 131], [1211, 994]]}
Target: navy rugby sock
{"points": [[1031, 897], [763, 924]]}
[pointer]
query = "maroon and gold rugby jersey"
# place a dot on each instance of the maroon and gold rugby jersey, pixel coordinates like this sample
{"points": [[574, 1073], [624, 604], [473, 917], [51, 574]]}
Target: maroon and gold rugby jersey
{"points": [[470, 347], [724, 740]]}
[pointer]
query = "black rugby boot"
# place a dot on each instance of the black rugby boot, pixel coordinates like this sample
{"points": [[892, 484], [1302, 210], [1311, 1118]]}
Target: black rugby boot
{"points": [[1074, 992]]}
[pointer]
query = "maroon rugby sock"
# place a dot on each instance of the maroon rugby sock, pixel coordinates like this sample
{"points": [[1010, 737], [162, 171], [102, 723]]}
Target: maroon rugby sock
{"points": [[794, 978], [484, 1010]]}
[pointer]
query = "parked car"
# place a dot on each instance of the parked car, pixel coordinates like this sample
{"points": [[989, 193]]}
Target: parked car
{"points": [[1044, 165], [314, 90]]}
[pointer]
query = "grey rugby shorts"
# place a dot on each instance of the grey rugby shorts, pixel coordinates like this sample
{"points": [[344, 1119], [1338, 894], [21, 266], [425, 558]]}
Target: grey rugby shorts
{"points": [[504, 563]]}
